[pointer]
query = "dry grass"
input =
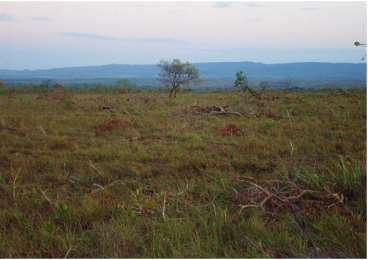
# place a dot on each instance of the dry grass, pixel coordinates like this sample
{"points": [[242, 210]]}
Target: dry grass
{"points": [[150, 178]]}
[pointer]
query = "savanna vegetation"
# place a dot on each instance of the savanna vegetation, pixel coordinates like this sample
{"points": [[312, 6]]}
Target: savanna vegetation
{"points": [[134, 174]]}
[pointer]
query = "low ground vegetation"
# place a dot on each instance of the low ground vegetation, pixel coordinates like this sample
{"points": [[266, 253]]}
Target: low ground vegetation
{"points": [[120, 174]]}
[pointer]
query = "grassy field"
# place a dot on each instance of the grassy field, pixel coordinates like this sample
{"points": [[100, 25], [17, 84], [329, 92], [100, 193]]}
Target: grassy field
{"points": [[133, 175]]}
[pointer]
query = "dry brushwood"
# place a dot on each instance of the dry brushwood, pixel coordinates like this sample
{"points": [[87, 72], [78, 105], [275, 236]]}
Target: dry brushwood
{"points": [[101, 188], [52, 203], [164, 207], [42, 130], [273, 196], [213, 110]]}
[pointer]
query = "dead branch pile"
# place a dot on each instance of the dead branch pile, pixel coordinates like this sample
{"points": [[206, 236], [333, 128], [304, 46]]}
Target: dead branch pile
{"points": [[213, 110], [275, 196]]}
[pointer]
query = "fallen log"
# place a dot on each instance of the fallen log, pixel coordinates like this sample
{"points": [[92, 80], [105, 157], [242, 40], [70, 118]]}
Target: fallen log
{"points": [[225, 113], [213, 110]]}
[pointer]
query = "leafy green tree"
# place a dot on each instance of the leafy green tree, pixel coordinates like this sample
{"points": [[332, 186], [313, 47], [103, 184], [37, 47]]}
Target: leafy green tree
{"points": [[241, 81], [176, 74]]}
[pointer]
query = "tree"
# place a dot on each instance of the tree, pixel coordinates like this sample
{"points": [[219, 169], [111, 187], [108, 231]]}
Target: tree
{"points": [[241, 81], [176, 74], [358, 44]]}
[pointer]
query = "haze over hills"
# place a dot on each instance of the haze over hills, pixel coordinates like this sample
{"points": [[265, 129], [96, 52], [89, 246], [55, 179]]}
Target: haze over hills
{"points": [[298, 72]]}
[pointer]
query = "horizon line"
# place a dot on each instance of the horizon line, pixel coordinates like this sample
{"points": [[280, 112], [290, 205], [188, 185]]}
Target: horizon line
{"points": [[201, 62]]}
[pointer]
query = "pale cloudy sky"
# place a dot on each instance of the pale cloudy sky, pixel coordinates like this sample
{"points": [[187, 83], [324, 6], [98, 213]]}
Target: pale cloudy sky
{"points": [[56, 34]]}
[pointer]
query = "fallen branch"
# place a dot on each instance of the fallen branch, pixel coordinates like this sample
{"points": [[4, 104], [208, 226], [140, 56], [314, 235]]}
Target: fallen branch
{"points": [[267, 192], [247, 206], [265, 200], [73, 179], [43, 192], [225, 113], [15, 178], [100, 187], [42, 130], [304, 192], [68, 252], [260, 196], [94, 167], [164, 208], [213, 110]]}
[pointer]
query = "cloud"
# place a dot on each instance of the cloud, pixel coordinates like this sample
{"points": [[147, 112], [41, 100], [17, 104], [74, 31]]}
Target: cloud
{"points": [[93, 36], [41, 19], [221, 4], [255, 20], [90, 36], [6, 17], [154, 40], [230, 4], [244, 4], [254, 4], [309, 8]]}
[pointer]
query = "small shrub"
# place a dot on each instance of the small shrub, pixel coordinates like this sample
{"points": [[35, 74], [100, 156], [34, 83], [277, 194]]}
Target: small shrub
{"points": [[351, 178], [268, 124], [46, 235], [347, 177], [68, 104], [191, 137], [63, 213], [241, 81]]}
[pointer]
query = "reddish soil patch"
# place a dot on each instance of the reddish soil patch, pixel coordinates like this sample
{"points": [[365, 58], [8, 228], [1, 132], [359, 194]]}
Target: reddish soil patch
{"points": [[231, 130]]}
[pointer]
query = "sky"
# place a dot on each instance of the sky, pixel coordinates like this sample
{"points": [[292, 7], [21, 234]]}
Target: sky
{"points": [[41, 35]]}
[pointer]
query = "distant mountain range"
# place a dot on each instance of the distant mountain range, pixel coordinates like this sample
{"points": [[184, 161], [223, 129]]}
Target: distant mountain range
{"points": [[303, 71]]}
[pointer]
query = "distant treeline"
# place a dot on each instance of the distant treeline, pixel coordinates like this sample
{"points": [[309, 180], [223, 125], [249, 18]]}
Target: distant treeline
{"points": [[126, 86], [204, 84]]}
